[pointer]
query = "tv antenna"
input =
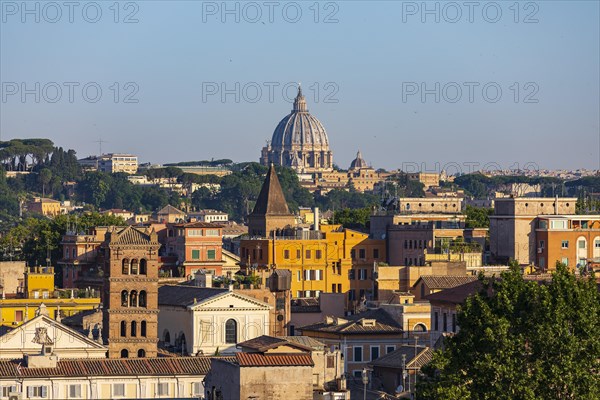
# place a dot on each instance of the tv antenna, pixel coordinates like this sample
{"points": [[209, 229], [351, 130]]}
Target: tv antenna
{"points": [[100, 141]]}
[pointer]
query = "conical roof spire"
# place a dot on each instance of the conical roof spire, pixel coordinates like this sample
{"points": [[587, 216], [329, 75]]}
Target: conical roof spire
{"points": [[271, 200]]}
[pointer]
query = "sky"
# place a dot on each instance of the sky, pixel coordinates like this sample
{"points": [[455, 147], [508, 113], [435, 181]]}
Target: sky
{"points": [[412, 85]]}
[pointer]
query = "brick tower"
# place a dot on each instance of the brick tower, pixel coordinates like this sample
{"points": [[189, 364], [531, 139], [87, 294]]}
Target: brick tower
{"points": [[130, 317]]}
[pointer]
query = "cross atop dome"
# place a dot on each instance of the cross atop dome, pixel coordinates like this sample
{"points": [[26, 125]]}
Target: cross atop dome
{"points": [[300, 101]]}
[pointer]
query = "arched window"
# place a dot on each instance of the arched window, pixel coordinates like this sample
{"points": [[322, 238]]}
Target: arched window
{"points": [[420, 328], [134, 267], [124, 353], [124, 296], [167, 336], [133, 329], [142, 300], [125, 266], [231, 331], [143, 266], [143, 329], [133, 299], [123, 328], [141, 353]]}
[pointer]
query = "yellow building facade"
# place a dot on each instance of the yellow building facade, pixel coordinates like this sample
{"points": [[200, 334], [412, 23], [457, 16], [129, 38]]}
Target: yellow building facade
{"points": [[39, 289], [331, 260]]}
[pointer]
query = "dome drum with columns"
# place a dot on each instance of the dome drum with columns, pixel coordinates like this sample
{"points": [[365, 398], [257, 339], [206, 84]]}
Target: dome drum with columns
{"points": [[299, 142]]}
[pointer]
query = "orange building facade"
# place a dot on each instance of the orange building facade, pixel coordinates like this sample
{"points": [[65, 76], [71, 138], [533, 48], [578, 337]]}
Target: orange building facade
{"points": [[197, 246], [571, 239]]}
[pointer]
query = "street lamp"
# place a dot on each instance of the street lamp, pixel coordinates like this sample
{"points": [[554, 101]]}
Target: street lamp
{"points": [[365, 381]]}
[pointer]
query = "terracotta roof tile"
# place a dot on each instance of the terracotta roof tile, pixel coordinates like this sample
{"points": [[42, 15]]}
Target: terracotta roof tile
{"points": [[445, 281], [455, 295], [114, 367], [384, 324], [280, 360]]}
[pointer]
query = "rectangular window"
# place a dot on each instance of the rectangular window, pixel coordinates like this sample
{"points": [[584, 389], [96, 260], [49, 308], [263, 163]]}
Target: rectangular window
{"points": [[307, 275], [212, 232], [307, 254], [298, 254], [286, 254], [197, 388], [351, 274], [195, 254], [445, 324], [542, 244], [581, 244], [330, 361], [19, 315], [7, 390], [436, 325], [362, 253], [374, 352], [358, 354], [564, 244], [333, 288], [37, 391], [542, 262], [351, 295], [353, 254], [375, 253], [558, 224], [389, 349], [118, 389], [339, 288], [565, 261], [194, 232], [211, 254], [319, 274], [299, 276], [362, 274], [597, 244], [318, 254], [74, 391], [45, 294], [453, 322], [162, 389]]}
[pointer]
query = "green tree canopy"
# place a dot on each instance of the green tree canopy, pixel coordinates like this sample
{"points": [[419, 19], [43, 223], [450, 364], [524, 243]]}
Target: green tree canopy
{"points": [[520, 339], [478, 217]]}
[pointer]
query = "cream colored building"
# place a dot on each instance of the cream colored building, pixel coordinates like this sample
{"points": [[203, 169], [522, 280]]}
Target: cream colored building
{"points": [[512, 227], [428, 179], [204, 320], [67, 343], [444, 205], [152, 378], [267, 368]]}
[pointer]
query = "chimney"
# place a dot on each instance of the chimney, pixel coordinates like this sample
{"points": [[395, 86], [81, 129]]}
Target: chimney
{"points": [[556, 205], [317, 219]]}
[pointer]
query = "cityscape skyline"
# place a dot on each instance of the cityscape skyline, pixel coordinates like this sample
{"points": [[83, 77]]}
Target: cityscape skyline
{"points": [[382, 81]]}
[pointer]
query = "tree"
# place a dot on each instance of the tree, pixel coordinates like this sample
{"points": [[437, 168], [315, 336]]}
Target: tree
{"points": [[478, 217], [358, 218], [522, 340], [45, 177]]}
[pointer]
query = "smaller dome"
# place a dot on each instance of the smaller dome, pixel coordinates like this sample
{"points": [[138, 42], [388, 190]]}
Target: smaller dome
{"points": [[358, 162]]}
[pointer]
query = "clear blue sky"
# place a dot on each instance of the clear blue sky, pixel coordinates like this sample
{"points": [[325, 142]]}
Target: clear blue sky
{"points": [[373, 57]]}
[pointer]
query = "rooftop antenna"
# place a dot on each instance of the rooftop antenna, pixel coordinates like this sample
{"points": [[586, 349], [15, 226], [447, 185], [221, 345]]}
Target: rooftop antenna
{"points": [[100, 141]]}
